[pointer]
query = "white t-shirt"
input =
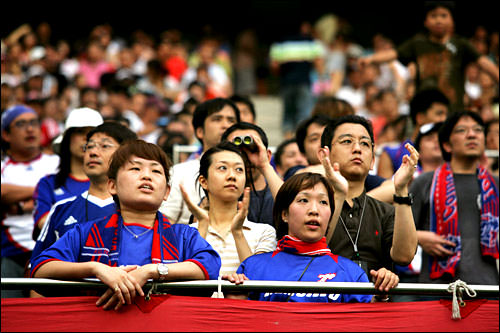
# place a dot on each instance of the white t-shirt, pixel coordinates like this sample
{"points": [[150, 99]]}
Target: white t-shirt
{"points": [[186, 173], [19, 228]]}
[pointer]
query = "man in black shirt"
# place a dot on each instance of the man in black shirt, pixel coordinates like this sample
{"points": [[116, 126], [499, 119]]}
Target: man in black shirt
{"points": [[372, 233]]}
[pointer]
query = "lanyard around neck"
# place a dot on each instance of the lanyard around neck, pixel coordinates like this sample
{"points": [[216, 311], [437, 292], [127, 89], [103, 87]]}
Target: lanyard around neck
{"points": [[355, 243]]}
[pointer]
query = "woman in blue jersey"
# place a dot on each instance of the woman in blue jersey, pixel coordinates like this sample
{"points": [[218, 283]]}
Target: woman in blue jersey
{"points": [[70, 179], [225, 178], [304, 213], [136, 243]]}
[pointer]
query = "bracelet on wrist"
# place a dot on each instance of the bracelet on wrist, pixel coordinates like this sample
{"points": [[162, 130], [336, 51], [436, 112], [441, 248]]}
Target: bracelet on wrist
{"points": [[382, 299]]}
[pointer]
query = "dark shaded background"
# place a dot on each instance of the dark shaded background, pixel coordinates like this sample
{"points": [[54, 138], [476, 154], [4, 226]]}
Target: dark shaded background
{"points": [[272, 19]]}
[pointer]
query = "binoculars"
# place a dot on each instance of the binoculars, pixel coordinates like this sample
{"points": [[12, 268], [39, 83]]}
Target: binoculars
{"points": [[246, 141]]}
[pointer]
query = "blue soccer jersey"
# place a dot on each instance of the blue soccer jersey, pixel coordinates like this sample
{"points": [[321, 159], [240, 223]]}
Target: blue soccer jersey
{"points": [[284, 266], [66, 213], [46, 195], [102, 241]]}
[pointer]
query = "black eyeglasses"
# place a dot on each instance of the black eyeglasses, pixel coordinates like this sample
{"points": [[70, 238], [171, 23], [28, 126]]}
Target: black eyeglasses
{"points": [[23, 124]]}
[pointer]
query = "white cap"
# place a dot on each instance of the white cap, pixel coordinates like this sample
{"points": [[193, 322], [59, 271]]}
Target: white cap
{"points": [[83, 117], [37, 53], [35, 70]]}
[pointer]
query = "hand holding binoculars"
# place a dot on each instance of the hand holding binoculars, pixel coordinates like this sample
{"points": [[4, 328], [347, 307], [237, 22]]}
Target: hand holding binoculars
{"points": [[246, 141]]}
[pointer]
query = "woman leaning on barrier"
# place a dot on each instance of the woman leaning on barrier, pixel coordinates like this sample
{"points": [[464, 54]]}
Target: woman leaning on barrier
{"points": [[304, 213], [136, 243]]}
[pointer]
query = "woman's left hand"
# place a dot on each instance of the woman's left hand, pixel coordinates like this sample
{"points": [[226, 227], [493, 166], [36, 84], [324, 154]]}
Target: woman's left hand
{"points": [[242, 213], [123, 286]]}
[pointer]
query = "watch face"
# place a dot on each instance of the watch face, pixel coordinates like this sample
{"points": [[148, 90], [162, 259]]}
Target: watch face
{"points": [[162, 269]]}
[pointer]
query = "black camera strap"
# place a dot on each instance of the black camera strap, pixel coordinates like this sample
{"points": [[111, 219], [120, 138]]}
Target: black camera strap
{"points": [[301, 275]]}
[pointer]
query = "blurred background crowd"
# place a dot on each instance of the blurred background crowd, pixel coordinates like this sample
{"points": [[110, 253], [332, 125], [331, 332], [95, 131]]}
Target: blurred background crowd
{"points": [[151, 75]]}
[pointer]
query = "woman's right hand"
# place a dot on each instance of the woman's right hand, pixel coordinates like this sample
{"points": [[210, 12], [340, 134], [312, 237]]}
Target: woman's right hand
{"points": [[199, 213], [123, 287]]}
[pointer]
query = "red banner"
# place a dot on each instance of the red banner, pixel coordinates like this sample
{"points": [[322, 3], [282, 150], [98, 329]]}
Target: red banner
{"points": [[181, 313]]}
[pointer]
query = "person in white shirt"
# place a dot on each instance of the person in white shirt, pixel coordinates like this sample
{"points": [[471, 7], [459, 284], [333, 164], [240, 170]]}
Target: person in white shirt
{"points": [[210, 120], [22, 168], [225, 177]]}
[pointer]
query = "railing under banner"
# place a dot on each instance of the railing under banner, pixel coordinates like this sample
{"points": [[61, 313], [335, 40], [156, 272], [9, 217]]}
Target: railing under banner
{"points": [[261, 286], [168, 312]]}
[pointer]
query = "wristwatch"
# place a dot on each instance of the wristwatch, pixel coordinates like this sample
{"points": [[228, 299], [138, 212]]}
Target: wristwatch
{"points": [[162, 271], [404, 200]]}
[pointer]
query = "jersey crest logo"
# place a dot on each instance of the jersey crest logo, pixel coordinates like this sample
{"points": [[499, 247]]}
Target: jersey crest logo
{"points": [[325, 277], [70, 220], [59, 191]]}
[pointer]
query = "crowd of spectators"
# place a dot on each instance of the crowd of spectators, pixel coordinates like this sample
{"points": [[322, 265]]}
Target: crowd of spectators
{"points": [[148, 80], [155, 85]]}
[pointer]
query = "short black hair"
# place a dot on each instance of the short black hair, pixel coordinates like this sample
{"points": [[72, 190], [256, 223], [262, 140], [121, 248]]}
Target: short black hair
{"points": [[115, 130], [329, 132], [197, 83], [281, 149], [118, 89], [245, 100], [431, 5], [182, 112], [207, 108], [448, 126], [246, 126], [424, 99], [301, 132]]}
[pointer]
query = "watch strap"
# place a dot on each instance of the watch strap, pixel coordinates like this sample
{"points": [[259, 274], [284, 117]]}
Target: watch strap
{"points": [[404, 200]]}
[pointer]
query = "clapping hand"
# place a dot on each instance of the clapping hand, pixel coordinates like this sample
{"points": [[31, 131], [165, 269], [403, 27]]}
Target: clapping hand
{"points": [[198, 212], [404, 174], [332, 172], [242, 213]]}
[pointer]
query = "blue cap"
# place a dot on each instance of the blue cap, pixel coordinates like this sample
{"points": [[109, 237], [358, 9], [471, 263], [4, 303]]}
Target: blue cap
{"points": [[12, 113]]}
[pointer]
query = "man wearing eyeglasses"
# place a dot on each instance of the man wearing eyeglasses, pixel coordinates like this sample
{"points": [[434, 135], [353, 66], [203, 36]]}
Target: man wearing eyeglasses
{"points": [[456, 208], [22, 168], [372, 233], [95, 203]]}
